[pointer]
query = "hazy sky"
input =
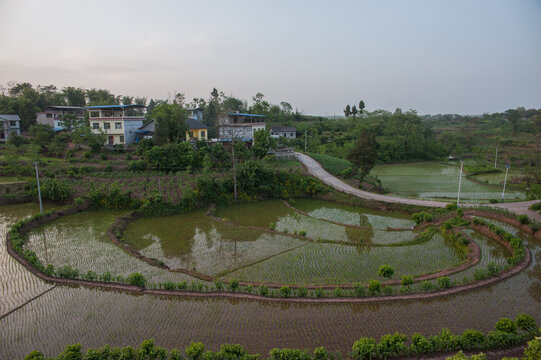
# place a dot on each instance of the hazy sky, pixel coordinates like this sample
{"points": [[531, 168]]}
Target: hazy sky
{"points": [[464, 56]]}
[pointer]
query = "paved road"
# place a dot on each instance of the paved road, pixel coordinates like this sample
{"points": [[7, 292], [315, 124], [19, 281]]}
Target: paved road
{"points": [[315, 169]]}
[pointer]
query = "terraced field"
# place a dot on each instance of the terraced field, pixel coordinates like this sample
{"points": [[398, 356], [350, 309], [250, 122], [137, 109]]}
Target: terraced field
{"points": [[196, 242], [17, 286], [80, 240], [68, 315], [335, 264], [437, 182]]}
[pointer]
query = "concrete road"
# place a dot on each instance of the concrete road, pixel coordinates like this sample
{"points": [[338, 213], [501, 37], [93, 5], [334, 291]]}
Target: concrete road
{"points": [[315, 169]]}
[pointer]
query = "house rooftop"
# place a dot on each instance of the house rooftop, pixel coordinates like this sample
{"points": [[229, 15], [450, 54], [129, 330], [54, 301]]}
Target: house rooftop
{"points": [[64, 107], [115, 106], [9, 117], [194, 124], [242, 114], [284, 128]]}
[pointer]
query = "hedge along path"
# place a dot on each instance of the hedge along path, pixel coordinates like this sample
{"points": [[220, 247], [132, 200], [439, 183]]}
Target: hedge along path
{"points": [[474, 253], [135, 289], [525, 228]]}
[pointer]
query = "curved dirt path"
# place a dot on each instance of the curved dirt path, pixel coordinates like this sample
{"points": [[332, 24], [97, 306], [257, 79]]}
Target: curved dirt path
{"points": [[316, 170]]}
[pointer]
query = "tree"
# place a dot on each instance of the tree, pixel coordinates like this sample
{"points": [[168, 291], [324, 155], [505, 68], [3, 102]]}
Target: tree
{"points": [[70, 122], [354, 111], [364, 153], [74, 96], [170, 123], [41, 134], [347, 111], [361, 106], [101, 97], [262, 143], [260, 106]]}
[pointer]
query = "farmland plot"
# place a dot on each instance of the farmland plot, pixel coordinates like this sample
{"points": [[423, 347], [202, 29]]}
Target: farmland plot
{"points": [[196, 242], [17, 285], [435, 181], [80, 241], [334, 264]]}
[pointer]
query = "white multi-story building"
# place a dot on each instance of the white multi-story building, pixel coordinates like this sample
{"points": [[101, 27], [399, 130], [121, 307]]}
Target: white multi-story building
{"points": [[238, 126], [118, 122], [52, 115], [10, 124]]}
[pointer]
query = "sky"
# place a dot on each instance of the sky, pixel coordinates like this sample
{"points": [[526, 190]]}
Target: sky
{"points": [[461, 56]]}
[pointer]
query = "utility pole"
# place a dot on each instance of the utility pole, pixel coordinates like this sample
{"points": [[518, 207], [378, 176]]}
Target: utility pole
{"points": [[39, 190], [459, 183], [505, 181], [496, 158]]}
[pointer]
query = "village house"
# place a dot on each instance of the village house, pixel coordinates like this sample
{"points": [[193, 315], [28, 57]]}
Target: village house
{"points": [[289, 132], [118, 122], [196, 130], [10, 124], [52, 115], [239, 126]]}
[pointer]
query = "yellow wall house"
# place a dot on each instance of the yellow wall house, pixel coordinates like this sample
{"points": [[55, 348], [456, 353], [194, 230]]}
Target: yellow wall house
{"points": [[196, 130]]}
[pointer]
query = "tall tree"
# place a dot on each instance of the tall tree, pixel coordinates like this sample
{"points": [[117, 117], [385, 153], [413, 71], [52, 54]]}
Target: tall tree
{"points": [[361, 106], [364, 153], [170, 123], [354, 111], [347, 110], [70, 122], [74, 96]]}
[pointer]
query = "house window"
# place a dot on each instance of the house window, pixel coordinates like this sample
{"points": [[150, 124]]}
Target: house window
{"points": [[121, 138], [13, 123], [291, 134], [94, 114], [118, 125], [191, 134], [202, 134], [106, 125], [95, 125], [49, 116]]}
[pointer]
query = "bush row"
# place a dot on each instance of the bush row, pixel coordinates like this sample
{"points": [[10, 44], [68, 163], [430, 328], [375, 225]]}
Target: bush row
{"points": [[389, 346], [517, 244]]}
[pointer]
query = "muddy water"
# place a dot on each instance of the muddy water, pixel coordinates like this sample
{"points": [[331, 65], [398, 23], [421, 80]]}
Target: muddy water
{"points": [[67, 315]]}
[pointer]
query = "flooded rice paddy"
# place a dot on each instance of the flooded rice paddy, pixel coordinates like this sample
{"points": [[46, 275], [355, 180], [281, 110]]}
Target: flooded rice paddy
{"points": [[434, 181], [93, 317]]}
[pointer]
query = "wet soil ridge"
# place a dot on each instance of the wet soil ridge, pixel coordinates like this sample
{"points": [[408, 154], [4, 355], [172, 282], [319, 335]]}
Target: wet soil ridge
{"points": [[123, 221]]}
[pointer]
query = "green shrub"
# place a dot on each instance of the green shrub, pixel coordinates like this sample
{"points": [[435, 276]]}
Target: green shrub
{"points": [[320, 293], [233, 285], [451, 206], [506, 325], [526, 322], [523, 219], [302, 233], [407, 280], [387, 290], [195, 351], [374, 286], [493, 268], [419, 345], [391, 345], [364, 348], [386, 271], [337, 292], [183, 285], [137, 279], [472, 339], [359, 289], [67, 271], [169, 285], [302, 292], [137, 165], [285, 291], [422, 217], [263, 290], [218, 285], [480, 274], [444, 282], [87, 155], [103, 156]]}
